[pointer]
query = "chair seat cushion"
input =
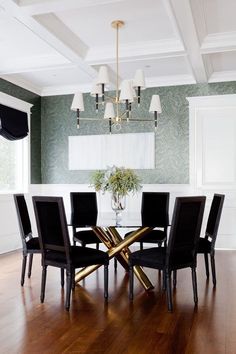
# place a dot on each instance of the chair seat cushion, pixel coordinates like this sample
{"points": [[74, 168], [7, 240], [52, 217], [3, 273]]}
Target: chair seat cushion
{"points": [[154, 236], [86, 236], [149, 257], [204, 245], [80, 256], [33, 244], [156, 257]]}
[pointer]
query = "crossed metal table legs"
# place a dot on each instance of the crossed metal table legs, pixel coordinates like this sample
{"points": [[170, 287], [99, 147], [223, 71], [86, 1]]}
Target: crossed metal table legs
{"points": [[117, 246]]}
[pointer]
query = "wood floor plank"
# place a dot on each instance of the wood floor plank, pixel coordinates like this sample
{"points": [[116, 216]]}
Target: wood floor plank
{"points": [[92, 326]]}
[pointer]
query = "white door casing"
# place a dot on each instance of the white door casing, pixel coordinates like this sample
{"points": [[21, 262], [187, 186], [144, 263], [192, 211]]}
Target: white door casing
{"points": [[212, 137]]}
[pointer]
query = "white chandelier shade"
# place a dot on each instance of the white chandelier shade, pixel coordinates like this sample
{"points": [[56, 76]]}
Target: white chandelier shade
{"points": [[78, 102], [109, 111], [96, 90], [103, 77], [155, 105], [139, 79], [126, 92]]}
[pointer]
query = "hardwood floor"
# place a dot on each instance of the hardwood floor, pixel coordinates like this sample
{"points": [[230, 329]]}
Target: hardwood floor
{"points": [[93, 326]]}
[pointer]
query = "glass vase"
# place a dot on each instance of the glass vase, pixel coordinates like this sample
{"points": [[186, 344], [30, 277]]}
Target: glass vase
{"points": [[118, 203]]}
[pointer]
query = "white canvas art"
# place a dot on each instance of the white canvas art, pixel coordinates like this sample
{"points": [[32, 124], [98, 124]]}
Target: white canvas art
{"points": [[92, 152]]}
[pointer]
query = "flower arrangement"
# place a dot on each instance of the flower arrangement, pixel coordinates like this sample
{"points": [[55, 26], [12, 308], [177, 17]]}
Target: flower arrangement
{"points": [[117, 180]]}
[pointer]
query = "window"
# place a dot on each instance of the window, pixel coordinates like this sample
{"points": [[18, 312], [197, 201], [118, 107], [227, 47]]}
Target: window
{"points": [[14, 155], [13, 165]]}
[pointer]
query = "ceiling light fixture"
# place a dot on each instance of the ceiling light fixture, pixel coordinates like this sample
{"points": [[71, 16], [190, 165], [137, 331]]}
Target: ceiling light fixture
{"points": [[118, 108]]}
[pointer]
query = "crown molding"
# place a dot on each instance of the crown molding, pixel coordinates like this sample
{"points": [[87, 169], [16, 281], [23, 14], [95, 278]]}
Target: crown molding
{"points": [[150, 82], [14, 79], [65, 89], [174, 80]]}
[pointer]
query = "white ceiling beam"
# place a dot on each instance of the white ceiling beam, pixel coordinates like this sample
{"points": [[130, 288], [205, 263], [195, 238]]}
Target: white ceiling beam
{"points": [[55, 26], [136, 51], [219, 42], [38, 7], [181, 15], [13, 10]]}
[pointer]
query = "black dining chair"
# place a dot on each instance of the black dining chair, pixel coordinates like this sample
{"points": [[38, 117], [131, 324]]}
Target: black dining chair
{"points": [[84, 213], [207, 244], [55, 245], [155, 212], [30, 244], [181, 249]]}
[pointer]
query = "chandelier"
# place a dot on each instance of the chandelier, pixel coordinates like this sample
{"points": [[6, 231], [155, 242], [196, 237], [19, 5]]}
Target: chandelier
{"points": [[118, 108]]}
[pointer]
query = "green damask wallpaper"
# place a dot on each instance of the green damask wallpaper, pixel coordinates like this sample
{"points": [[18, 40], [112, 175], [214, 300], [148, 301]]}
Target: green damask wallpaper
{"points": [[35, 124], [172, 138]]}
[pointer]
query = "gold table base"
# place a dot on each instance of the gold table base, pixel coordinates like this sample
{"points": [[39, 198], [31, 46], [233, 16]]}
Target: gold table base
{"points": [[118, 247]]}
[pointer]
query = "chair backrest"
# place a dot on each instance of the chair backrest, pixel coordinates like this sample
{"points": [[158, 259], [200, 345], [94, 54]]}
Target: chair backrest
{"points": [[214, 217], [84, 209], [185, 229], [52, 225], [23, 217], [155, 209]]}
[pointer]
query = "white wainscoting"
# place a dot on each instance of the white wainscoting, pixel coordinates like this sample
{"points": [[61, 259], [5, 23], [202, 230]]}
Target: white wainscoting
{"points": [[92, 152], [9, 231], [9, 234]]}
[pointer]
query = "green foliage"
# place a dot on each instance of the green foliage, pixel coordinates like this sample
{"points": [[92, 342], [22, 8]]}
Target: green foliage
{"points": [[117, 180]]}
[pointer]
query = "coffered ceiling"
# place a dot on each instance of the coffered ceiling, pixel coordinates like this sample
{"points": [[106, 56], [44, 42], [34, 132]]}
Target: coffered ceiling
{"points": [[56, 46]]}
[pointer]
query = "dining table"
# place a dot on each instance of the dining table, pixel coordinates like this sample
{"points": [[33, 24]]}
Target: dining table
{"points": [[110, 233]]}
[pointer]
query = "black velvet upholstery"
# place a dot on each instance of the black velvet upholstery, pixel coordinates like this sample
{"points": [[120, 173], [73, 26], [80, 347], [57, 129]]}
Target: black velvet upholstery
{"points": [[30, 244], [84, 213], [56, 248], [182, 245], [207, 244], [155, 212]]}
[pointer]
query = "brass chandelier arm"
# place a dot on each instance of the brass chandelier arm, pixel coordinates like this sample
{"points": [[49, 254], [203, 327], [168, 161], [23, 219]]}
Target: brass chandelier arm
{"points": [[123, 119]]}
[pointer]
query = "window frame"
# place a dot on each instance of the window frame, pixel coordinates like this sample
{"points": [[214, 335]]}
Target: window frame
{"points": [[24, 178]]}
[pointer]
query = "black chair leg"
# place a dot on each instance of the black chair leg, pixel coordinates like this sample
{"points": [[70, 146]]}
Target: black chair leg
{"points": [[206, 264], [213, 269], [43, 283], [97, 246], [169, 291], [68, 288], [174, 278], [73, 280], [141, 246], [131, 283], [62, 277], [163, 280], [30, 264], [115, 263], [24, 260], [106, 281], [194, 280]]}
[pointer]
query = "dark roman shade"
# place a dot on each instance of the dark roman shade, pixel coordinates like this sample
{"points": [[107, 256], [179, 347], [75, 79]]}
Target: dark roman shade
{"points": [[13, 123]]}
